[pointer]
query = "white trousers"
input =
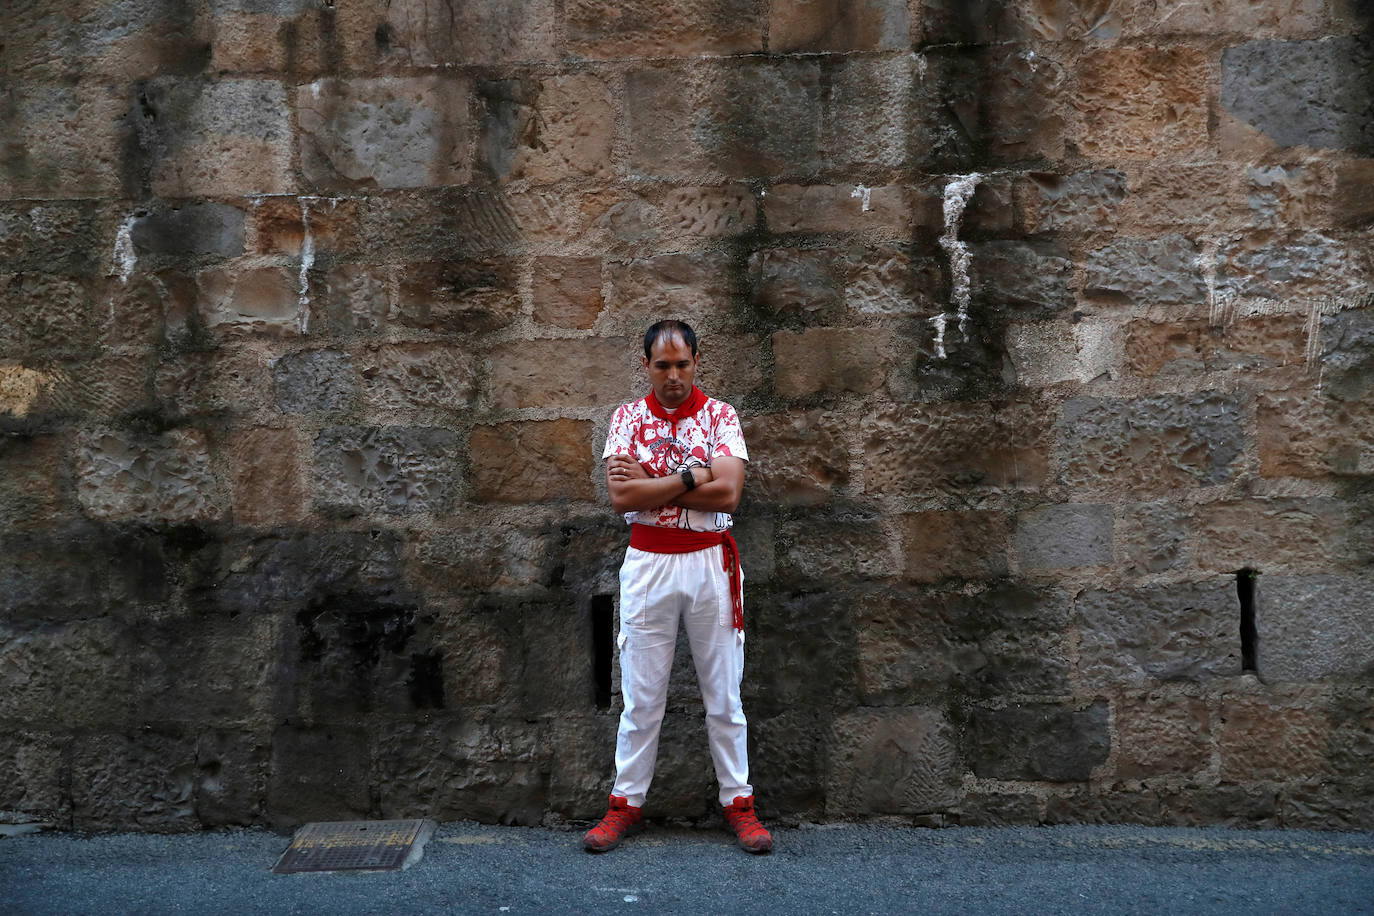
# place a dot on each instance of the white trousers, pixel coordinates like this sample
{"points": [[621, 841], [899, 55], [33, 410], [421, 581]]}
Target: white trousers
{"points": [[656, 591]]}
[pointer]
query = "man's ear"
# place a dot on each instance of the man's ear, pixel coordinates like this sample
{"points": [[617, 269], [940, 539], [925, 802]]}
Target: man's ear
{"points": [[644, 361]]}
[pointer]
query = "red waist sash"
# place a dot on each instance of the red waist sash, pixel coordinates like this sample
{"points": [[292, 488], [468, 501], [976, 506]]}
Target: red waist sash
{"points": [[654, 539]]}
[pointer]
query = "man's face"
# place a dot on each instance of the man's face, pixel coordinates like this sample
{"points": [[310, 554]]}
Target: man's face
{"points": [[671, 367]]}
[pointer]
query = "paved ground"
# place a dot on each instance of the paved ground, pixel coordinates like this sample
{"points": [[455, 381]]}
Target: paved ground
{"points": [[835, 869]]}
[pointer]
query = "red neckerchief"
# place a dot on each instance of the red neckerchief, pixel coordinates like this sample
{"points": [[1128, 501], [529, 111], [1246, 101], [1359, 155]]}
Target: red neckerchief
{"points": [[688, 408]]}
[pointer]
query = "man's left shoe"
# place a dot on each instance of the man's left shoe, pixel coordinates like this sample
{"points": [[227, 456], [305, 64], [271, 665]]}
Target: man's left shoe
{"points": [[742, 819]]}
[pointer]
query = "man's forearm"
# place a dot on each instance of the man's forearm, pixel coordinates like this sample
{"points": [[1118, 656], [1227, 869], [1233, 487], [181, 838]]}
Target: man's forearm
{"points": [[713, 496]]}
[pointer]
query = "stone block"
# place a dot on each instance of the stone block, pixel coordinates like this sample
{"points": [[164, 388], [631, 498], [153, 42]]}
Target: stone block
{"points": [[1038, 741], [796, 281], [786, 762], [300, 790], [391, 470], [1025, 106], [892, 761], [754, 118], [1325, 806], [145, 783], [1142, 103], [532, 461], [230, 136], [783, 679], [288, 569], [1157, 443], [698, 286], [1120, 806], [1079, 201], [829, 361], [567, 291], [1225, 806], [1145, 271], [234, 663], [1025, 276], [63, 142], [266, 300], [874, 118], [1314, 435], [809, 551], [954, 445], [692, 213], [45, 318], [78, 569], [29, 477], [1185, 632], [76, 673], [1044, 353], [57, 239], [660, 28], [1354, 197], [545, 131], [1270, 739], [1161, 734], [390, 132], [430, 33], [213, 381], [447, 562], [280, 225], [310, 380], [1188, 347], [797, 458], [118, 41], [189, 230], [564, 372], [1064, 536], [1303, 93], [847, 208], [354, 297], [833, 25], [1347, 357], [1296, 264], [1153, 537], [458, 296], [458, 223], [426, 376], [267, 476], [582, 756], [1314, 627], [998, 809], [1276, 535], [125, 475], [1265, 17], [954, 544], [232, 778], [31, 776]]}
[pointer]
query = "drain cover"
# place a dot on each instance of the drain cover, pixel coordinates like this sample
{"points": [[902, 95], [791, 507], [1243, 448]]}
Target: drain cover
{"points": [[355, 846]]}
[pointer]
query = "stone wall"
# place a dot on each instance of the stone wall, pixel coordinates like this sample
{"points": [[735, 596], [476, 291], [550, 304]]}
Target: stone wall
{"points": [[1050, 324]]}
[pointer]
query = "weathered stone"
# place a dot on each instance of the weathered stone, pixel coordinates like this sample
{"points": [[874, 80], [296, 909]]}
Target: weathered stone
{"points": [[1038, 741], [1161, 734], [84, 570], [1024, 101], [1270, 739], [288, 570], [1314, 627], [1311, 434], [299, 790], [266, 300], [44, 316], [786, 762], [796, 281], [693, 213], [189, 230], [267, 476], [119, 40], [643, 291], [1354, 197], [458, 296], [998, 809], [873, 112], [660, 28], [458, 224], [63, 143], [1049, 352], [213, 381], [420, 375], [563, 372], [559, 128], [77, 673], [1184, 632], [167, 477], [430, 33], [832, 25], [809, 553], [945, 544], [220, 137], [31, 780], [567, 291], [1027, 276], [485, 560], [892, 761], [1229, 806], [280, 225], [796, 458], [1140, 103], [1320, 805], [29, 470], [1347, 357], [308, 380], [1266, 17], [232, 658], [1276, 535], [1186, 347], [1078, 201], [55, 239], [231, 788], [1303, 264], [846, 208], [1155, 443], [147, 783], [1153, 537], [778, 621], [1145, 271], [1121, 806], [952, 445], [392, 470], [384, 133], [829, 361], [354, 298], [534, 461], [757, 118], [1303, 93], [1065, 536]]}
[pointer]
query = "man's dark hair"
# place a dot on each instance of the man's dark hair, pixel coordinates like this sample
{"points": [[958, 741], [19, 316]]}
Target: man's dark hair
{"points": [[666, 329]]}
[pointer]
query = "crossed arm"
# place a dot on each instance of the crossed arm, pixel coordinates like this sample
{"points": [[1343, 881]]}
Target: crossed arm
{"points": [[718, 487]]}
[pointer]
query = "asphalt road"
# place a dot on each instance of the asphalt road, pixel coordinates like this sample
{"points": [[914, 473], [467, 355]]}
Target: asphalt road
{"points": [[467, 868]]}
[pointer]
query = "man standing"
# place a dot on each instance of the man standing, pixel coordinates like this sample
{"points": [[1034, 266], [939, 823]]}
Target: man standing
{"points": [[675, 469]]}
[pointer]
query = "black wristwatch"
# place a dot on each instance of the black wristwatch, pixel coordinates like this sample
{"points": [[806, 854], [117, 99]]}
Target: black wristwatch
{"points": [[688, 479]]}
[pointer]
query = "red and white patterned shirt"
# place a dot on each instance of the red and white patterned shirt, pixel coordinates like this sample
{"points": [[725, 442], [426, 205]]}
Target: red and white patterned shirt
{"points": [[665, 447]]}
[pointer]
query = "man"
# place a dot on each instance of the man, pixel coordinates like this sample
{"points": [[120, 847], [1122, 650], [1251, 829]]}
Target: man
{"points": [[675, 469]]}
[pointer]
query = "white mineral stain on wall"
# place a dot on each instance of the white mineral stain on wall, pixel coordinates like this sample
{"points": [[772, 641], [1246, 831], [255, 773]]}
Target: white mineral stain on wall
{"points": [[307, 262], [125, 258], [20, 388], [866, 194], [957, 195]]}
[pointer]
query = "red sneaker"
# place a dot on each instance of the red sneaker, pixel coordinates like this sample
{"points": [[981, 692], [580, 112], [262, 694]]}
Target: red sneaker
{"points": [[621, 820], [752, 836]]}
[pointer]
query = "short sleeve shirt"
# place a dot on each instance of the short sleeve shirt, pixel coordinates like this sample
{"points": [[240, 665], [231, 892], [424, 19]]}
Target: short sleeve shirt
{"points": [[665, 447]]}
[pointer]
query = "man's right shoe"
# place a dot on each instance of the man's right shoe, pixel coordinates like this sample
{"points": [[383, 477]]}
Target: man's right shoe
{"points": [[621, 820]]}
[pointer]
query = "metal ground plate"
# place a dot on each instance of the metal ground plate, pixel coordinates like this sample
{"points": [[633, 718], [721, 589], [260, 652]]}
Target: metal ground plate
{"points": [[355, 846]]}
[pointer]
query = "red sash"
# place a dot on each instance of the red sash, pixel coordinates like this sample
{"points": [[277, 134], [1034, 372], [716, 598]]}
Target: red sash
{"points": [[654, 539]]}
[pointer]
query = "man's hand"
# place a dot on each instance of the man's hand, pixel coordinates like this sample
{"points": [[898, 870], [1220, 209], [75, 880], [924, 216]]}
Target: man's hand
{"points": [[623, 467]]}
